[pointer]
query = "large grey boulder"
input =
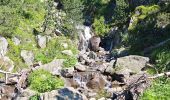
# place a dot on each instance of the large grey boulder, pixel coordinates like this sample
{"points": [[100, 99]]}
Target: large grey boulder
{"points": [[41, 41], [130, 64], [54, 67], [28, 57], [3, 46]]}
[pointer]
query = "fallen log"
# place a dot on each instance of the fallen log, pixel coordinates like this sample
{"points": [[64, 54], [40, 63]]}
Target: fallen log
{"points": [[159, 75]]}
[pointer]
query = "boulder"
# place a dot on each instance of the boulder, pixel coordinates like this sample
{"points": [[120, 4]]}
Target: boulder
{"points": [[41, 41], [67, 52], [49, 95], [70, 93], [16, 41], [3, 46], [54, 67], [28, 57], [80, 67], [94, 43], [132, 63], [96, 82]]}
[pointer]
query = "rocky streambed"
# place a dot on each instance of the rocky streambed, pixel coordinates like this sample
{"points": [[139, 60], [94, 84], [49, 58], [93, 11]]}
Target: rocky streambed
{"points": [[96, 76]]}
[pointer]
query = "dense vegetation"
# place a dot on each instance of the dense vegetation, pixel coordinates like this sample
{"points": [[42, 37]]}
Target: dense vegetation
{"points": [[140, 23], [43, 81]]}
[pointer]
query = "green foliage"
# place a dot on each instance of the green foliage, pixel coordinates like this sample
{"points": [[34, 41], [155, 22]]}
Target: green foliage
{"points": [[21, 16], [161, 56], [70, 62], [120, 12], [35, 97], [158, 91], [43, 81], [14, 55], [100, 27], [141, 12], [53, 50]]}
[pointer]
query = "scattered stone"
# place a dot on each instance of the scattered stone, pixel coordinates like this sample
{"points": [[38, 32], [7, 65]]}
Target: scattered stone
{"points": [[8, 92], [80, 67], [92, 99], [28, 57], [41, 41], [3, 46], [16, 41], [49, 95], [67, 52], [6, 64], [65, 45]]}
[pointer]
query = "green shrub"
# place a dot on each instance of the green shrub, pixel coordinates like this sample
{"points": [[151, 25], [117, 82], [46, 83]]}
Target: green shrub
{"points": [[143, 12], [158, 91], [161, 56], [70, 62], [43, 81], [35, 97], [100, 28]]}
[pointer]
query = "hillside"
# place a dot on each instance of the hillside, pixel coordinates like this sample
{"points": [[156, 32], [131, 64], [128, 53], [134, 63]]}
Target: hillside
{"points": [[84, 49]]}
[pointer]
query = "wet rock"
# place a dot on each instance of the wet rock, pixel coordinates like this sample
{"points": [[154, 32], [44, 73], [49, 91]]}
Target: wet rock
{"points": [[92, 55], [3, 46], [70, 94], [16, 41], [67, 52], [41, 41], [83, 36], [54, 67], [94, 43], [72, 83], [6, 64], [68, 72], [96, 82], [28, 57], [80, 67], [10, 92]]}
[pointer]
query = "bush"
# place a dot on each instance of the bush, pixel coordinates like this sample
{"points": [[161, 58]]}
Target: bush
{"points": [[158, 91], [43, 81], [70, 62], [35, 97], [100, 28]]}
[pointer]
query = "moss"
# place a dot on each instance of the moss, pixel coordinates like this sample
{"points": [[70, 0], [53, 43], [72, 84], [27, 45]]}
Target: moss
{"points": [[141, 12]]}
